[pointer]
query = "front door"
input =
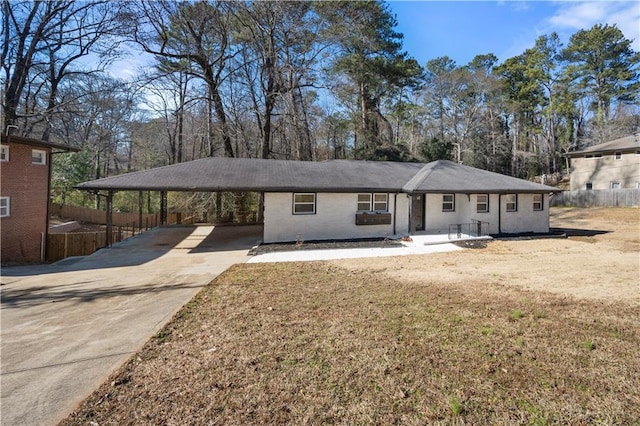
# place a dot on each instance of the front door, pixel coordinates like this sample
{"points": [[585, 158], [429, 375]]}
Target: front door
{"points": [[417, 212]]}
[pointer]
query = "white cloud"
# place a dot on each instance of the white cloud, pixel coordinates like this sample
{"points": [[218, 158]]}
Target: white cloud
{"points": [[576, 16]]}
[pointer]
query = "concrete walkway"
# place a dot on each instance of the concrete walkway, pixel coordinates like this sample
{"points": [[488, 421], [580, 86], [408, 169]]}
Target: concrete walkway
{"points": [[424, 244], [66, 327]]}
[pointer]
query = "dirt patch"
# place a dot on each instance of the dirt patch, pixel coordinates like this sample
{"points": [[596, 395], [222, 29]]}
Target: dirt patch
{"points": [[599, 260], [84, 227]]}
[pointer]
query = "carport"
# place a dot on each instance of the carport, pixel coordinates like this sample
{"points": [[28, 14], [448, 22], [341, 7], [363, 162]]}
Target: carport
{"points": [[214, 175]]}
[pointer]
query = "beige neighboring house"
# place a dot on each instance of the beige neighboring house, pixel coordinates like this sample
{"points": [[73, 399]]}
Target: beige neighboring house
{"points": [[610, 165]]}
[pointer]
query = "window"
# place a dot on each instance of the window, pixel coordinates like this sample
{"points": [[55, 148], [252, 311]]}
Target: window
{"points": [[364, 202], [4, 207], [373, 202], [4, 152], [448, 202], [482, 203], [617, 155], [380, 202], [615, 185], [304, 203], [38, 156], [512, 202], [537, 202], [589, 186]]}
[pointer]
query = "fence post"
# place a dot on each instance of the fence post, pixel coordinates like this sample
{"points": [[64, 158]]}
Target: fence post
{"points": [[66, 243]]}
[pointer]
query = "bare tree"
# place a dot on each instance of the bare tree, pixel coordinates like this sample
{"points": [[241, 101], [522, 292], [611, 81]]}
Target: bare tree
{"points": [[194, 39], [280, 48], [43, 43]]}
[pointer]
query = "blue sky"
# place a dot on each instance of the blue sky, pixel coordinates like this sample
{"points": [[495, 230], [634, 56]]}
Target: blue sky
{"points": [[464, 29]]}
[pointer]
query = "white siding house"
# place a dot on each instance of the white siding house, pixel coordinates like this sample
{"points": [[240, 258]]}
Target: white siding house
{"points": [[527, 217], [334, 218], [341, 200]]}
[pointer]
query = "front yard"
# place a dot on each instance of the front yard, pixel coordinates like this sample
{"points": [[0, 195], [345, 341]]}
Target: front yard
{"points": [[519, 332]]}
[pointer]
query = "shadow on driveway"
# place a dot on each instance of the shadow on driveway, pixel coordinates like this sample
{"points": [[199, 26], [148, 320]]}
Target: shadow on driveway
{"points": [[230, 237], [79, 292], [151, 245]]}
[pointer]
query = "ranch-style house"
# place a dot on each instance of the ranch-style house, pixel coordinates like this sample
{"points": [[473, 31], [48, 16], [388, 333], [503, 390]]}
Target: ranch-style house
{"points": [[343, 199]]}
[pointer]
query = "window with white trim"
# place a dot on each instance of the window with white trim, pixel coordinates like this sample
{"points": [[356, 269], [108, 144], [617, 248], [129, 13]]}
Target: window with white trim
{"points": [[589, 186], [615, 185], [304, 203], [512, 202], [617, 156], [380, 202], [377, 202], [5, 207], [364, 202], [4, 152], [448, 202], [38, 156], [482, 203], [538, 202]]}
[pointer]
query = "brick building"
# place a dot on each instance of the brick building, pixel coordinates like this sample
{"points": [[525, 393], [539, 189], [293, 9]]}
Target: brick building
{"points": [[25, 169]]}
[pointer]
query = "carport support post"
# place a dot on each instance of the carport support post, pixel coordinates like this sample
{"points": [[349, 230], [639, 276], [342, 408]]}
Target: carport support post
{"points": [[109, 236], [140, 203], [163, 207]]}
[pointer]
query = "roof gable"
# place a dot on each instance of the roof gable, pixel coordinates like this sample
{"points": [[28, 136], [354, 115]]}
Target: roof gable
{"points": [[627, 143], [446, 176]]}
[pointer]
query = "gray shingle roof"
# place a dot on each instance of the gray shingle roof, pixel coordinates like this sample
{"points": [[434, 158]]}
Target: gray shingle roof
{"points": [[37, 143], [243, 174], [627, 143], [445, 176]]}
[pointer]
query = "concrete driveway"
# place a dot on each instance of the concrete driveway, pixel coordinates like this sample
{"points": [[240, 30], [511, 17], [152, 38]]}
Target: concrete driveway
{"points": [[66, 327]]}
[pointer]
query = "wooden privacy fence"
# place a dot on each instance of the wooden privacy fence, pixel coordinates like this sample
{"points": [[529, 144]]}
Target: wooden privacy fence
{"points": [[68, 244], [598, 198], [88, 215]]}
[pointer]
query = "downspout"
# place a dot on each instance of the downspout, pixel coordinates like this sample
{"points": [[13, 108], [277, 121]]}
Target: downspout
{"points": [[395, 210], [410, 197], [45, 237], [499, 213]]}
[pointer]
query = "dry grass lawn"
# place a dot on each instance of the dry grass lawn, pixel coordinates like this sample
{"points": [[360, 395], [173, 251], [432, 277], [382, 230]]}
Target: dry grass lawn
{"points": [[520, 332]]}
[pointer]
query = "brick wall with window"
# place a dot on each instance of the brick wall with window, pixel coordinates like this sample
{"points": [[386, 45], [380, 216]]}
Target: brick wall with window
{"points": [[25, 187]]}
